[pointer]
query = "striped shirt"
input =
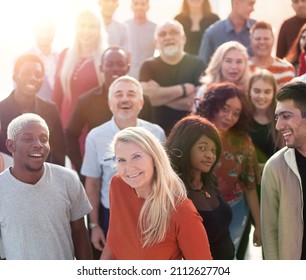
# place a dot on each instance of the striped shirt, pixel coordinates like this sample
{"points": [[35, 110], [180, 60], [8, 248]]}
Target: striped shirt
{"points": [[282, 70]]}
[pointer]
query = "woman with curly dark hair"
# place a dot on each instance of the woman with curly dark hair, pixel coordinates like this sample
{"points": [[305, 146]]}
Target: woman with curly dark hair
{"points": [[237, 170]]}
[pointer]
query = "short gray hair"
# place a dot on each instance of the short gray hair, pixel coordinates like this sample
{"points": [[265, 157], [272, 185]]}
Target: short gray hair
{"points": [[19, 122], [125, 78]]}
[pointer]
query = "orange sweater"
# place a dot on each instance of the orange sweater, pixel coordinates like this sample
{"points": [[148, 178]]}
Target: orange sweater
{"points": [[186, 237]]}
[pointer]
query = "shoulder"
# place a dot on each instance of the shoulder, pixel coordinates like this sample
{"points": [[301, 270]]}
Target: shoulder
{"points": [[90, 94], [185, 210], [100, 130], [211, 17], [289, 21], [182, 18], [152, 127]]}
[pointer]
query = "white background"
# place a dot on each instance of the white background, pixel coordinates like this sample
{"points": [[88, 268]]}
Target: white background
{"points": [[17, 18]]}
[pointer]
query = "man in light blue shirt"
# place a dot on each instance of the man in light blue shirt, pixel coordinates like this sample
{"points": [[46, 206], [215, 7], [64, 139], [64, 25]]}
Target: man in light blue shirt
{"points": [[235, 28], [125, 100]]}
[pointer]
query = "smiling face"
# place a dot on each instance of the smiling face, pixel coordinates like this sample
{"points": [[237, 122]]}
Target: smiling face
{"points": [[125, 102], [203, 155], [135, 167], [170, 40], [262, 41], [229, 114], [29, 78], [30, 148], [233, 66], [291, 125], [115, 64], [261, 95]]}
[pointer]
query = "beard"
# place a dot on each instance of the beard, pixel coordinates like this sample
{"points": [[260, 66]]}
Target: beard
{"points": [[171, 51]]}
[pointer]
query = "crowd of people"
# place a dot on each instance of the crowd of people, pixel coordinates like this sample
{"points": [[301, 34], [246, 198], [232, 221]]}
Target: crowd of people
{"points": [[157, 141]]}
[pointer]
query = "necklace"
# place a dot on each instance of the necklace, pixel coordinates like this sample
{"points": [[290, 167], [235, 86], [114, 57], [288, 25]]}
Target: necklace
{"points": [[206, 193]]}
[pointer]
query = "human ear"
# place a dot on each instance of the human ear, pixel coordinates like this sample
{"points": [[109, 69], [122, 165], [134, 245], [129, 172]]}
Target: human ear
{"points": [[10, 145]]}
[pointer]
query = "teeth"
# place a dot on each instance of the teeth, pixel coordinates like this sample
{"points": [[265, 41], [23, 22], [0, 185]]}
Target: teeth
{"points": [[133, 175], [36, 155], [286, 133]]}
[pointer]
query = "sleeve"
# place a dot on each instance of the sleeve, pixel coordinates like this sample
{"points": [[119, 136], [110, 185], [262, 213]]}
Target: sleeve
{"points": [[206, 49], [281, 50], [190, 232], [250, 173], [145, 73], [125, 40], [57, 140], [302, 64], [57, 93], [269, 208], [80, 205], [91, 166], [73, 133]]}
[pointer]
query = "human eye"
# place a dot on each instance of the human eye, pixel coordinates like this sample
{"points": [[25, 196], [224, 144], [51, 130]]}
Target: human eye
{"points": [[237, 114], [256, 90], [136, 156], [202, 148], [120, 160], [44, 139], [225, 109]]}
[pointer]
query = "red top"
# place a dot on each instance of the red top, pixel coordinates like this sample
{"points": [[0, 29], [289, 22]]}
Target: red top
{"points": [[83, 79], [186, 237]]}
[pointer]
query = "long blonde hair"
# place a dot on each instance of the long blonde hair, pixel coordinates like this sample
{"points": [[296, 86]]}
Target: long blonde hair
{"points": [[168, 190], [213, 71], [73, 54]]}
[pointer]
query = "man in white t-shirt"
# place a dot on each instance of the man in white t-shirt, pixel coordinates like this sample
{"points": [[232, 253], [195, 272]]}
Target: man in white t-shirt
{"points": [[42, 205], [142, 47], [117, 31]]}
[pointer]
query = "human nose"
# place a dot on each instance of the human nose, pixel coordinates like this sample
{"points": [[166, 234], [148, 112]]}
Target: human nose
{"points": [[279, 124], [37, 143]]}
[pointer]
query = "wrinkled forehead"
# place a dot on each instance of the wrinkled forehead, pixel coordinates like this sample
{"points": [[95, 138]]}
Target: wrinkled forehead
{"points": [[168, 26]]}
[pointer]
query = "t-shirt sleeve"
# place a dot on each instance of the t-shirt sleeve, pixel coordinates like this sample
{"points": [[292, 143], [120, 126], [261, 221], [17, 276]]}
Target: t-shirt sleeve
{"points": [[91, 166], [80, 205]]}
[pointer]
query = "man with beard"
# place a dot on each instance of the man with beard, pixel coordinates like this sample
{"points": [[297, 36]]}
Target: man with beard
{"points": [[28, 77], [170, 80], [42, 205], [283, 186], [125, 100]]}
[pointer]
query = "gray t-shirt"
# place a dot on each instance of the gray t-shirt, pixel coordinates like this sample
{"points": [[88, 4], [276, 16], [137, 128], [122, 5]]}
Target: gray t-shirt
{"points": [[35, 219]]}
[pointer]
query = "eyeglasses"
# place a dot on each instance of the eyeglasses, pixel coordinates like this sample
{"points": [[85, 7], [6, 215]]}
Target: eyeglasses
{"points": [[171, 32]]}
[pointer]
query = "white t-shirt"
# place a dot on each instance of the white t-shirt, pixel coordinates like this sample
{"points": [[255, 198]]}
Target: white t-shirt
{"points": [[35, 219]]}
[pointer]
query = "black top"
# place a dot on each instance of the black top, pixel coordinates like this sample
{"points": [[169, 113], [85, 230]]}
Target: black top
{"points": [[216, 223], [194, 37], [188, 70], [262, 139], [9, 109], [301, 163]]}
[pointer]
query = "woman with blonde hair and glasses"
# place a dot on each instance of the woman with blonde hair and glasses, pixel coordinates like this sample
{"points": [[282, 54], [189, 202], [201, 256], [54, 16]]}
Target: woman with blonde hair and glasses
{"points": [[150, 214]]}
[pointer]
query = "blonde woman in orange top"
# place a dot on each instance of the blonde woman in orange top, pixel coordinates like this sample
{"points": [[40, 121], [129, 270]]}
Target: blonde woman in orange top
{"points": [[150, 214]]}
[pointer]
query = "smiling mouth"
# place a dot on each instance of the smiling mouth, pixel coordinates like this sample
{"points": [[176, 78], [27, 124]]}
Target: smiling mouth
{"points": [[36, 155], [133, 175]]}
